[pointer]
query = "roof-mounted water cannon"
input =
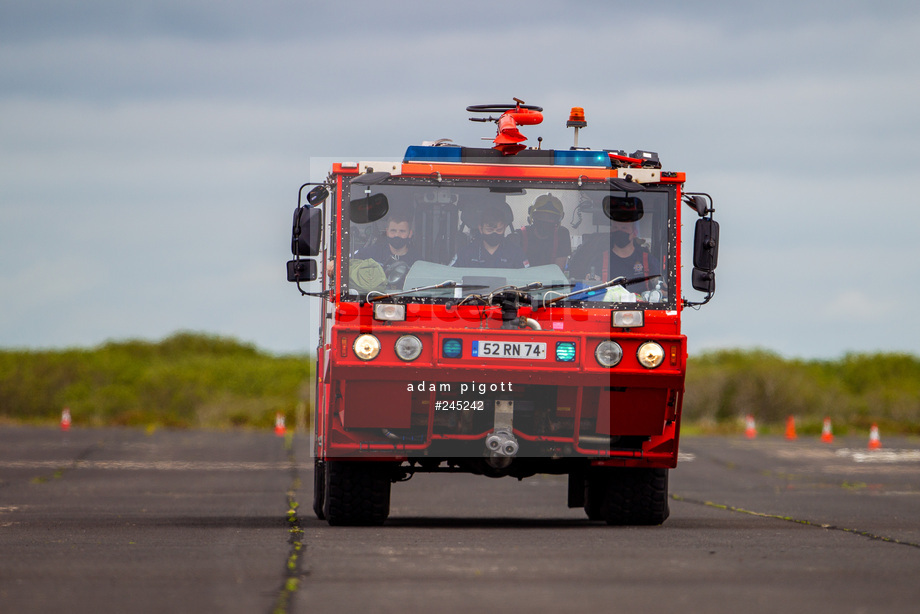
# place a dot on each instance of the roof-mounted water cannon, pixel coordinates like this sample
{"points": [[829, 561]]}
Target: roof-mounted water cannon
{"points": [[508, 138], [577, 121]]}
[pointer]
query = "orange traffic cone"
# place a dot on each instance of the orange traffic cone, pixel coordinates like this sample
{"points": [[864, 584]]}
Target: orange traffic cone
{"points": [[874, 441], [790, 428], [279, 424], [750, 430], [827, 436], [65, 419]]}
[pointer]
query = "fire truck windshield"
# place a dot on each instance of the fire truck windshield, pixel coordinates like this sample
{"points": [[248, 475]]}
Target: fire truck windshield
{"points": [[409, 233]]}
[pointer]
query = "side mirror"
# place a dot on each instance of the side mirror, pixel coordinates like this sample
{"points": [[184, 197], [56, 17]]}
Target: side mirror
{"points": [[704, 281], [706, 244], [317, 195], [307, 233], [301, 270]]}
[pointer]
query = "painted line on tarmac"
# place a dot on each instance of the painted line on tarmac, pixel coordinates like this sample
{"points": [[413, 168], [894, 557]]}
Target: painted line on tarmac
{"points": [[149, 465], [808, 523], [880, 456]]}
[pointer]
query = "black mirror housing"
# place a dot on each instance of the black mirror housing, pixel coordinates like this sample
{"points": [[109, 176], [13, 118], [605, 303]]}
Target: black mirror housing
{"points": [[706, 244], [623, 208], [698, 203], [704, 281], [370, 178], [317, 195], [369, 209], [626, 184], [301, 270], [307, 231]]}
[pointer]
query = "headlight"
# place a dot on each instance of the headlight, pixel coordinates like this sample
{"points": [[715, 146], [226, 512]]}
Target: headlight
{"points": [[408, 347], [650, 354], [608, 353], [389, 312], [628, 319], [367, 347]]}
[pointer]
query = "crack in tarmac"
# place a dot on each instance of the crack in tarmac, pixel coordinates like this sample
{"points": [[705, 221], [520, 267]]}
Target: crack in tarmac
{"points": [[808, 523], [59, 470], [293, 571]]}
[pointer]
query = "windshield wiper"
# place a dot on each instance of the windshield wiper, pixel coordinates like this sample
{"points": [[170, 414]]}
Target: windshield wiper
{"points": [[617, 281], [444, 284], [536, 285]]}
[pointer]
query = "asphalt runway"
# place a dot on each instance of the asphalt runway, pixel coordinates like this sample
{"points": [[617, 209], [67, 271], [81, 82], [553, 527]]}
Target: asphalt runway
{"points": [[180, 521]]}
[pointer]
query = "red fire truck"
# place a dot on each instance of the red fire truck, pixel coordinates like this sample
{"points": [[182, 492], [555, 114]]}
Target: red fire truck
{"points": [[501, 311]]}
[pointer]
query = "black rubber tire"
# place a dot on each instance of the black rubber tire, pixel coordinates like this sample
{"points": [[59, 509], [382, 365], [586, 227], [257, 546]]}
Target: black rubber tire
{"points": [[636, 496], [319, 488], [595, 493], [357, 493]]}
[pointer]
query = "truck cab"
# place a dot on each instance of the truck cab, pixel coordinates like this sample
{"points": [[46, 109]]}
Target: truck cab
{"points": [[501, 311]]}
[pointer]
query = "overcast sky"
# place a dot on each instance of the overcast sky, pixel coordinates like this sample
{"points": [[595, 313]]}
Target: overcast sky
{"points": [[151, 151]]}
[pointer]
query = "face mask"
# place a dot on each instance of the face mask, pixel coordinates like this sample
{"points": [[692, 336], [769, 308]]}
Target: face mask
{"points": [[492, 239], [397, 242], [542, 228], [620, 238]]}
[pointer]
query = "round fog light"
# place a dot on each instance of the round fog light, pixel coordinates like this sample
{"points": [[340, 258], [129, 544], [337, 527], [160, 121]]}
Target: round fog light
{"points": [[408, 347], [367, 347], [650, 354], [608, 353]]}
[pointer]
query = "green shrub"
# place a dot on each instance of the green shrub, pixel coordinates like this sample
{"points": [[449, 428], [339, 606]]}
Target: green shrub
{"points": [[185, 380], [855, 391]]}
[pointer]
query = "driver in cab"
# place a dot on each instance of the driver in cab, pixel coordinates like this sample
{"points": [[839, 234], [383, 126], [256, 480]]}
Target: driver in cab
{"points": [[396, 248], [621, 253], [625, 255]]}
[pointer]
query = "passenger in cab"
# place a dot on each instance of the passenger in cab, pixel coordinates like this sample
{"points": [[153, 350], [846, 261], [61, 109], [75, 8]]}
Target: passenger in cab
{"points": [[491, 250], [545, 240]]}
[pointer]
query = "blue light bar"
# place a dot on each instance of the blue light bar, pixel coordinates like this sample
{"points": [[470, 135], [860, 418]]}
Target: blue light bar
{"points": [[562, 157], [581, 157], [425, 153]]}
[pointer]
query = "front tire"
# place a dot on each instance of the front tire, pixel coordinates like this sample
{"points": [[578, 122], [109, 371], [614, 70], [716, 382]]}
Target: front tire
{"points": [[357, 493], [319, 488], [595, 493], [628, 496]]}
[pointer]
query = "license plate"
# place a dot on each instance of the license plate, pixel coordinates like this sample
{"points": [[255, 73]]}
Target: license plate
{"points": [[509, 349]]}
